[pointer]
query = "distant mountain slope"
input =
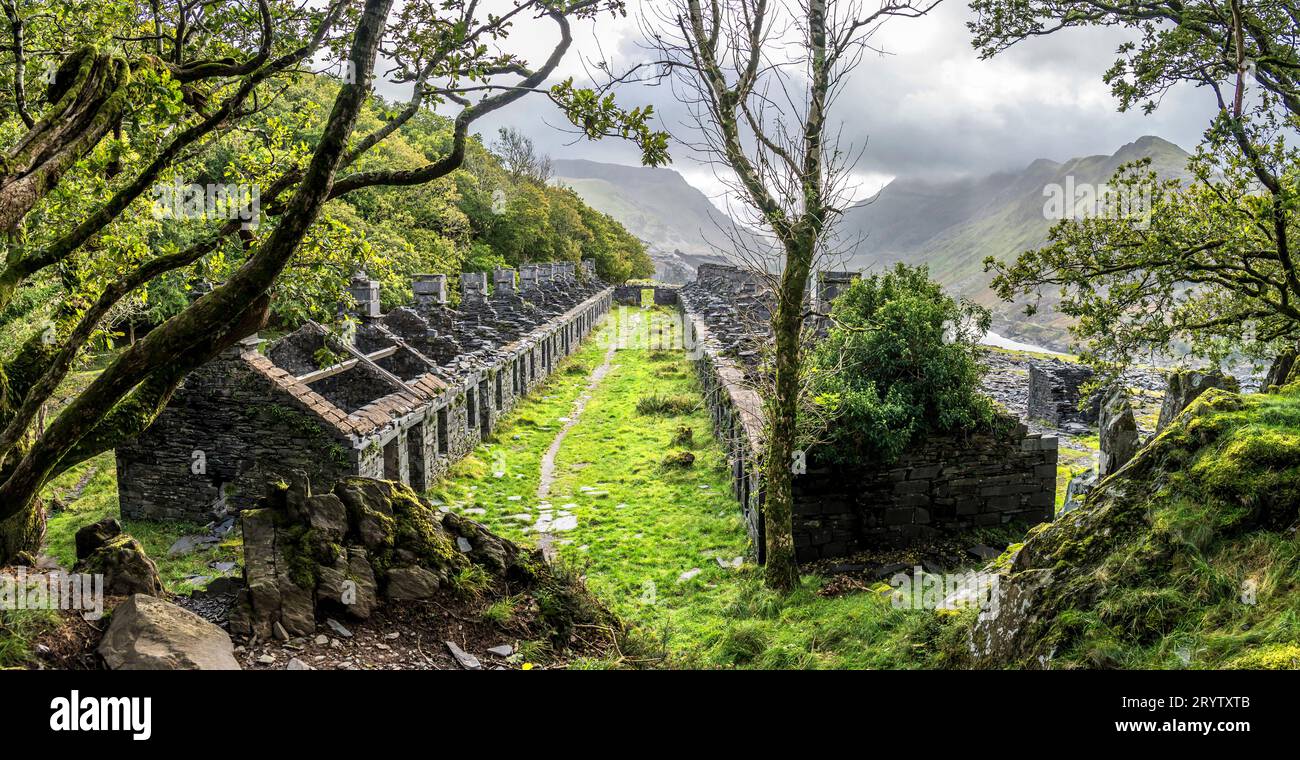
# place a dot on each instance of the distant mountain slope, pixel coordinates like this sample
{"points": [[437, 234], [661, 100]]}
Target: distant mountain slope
{"points": [[677, 221], [953, 226]]}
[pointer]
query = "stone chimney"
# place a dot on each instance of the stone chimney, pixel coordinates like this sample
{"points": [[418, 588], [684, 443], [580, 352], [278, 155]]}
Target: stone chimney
{"points": [[473, 287], [503, 282], [588, 270], [430, 290], [365, 296], [830, 285], [528, 277]]}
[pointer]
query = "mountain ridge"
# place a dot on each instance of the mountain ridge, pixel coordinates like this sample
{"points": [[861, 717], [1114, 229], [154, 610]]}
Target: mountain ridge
{"points": [[950, 225], [679, 224]]}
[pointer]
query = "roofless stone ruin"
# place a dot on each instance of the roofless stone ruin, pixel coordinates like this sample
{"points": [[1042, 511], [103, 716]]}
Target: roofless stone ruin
{"points": [[406, 395]]}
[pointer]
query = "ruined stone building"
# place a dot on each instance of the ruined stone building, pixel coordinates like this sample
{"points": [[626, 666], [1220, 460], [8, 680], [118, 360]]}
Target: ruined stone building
{"points": [[405, 396], [944, 484]]}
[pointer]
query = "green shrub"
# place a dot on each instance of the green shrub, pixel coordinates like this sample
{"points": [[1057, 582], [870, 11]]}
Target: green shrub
{"points": [[898, 362]]}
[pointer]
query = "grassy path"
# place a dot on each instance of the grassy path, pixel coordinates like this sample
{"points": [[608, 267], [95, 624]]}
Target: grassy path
{"points": [[546, 476], [657, 542]]}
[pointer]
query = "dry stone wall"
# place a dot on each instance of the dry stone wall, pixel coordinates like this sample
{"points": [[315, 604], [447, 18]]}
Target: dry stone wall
{"points": [[945, 485]]}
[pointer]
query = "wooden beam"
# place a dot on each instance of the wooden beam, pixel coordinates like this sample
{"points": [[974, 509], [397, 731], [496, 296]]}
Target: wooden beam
{"points": [[321, 374]]}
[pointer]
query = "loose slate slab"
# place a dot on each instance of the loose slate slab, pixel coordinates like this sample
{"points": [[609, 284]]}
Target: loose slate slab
{"points": [[463, 658], [147, 633]]}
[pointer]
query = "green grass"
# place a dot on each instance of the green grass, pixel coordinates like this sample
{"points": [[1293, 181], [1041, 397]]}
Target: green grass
{"points": [[98, 499], [642, 526], [1075, 461], [1023, 354], [19, 629]]}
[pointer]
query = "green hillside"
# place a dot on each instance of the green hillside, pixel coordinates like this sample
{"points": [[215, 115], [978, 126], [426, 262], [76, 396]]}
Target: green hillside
{"points": [[678, 223]]}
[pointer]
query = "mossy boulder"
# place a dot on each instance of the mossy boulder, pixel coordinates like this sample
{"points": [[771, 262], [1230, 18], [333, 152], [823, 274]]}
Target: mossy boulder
{"points": [[1186, 557], [104, 549]]}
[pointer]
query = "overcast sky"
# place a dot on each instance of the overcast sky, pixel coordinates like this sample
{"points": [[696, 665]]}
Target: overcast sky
{"points": [[929, 108]]}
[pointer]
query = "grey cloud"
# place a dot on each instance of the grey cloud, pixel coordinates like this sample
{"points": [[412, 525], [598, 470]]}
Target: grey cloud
{"points": [[918, 123]]}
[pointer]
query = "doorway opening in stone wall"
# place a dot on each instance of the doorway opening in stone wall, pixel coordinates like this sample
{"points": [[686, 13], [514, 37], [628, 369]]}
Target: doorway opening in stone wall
{"points": [[471, 408], [393, 458], [415, 457], [485, 416], [442, 431]]}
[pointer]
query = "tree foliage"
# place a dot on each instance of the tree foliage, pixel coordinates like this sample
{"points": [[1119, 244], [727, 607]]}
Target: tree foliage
{"points": [[1210, 266], [899, 362], [131, 98]]}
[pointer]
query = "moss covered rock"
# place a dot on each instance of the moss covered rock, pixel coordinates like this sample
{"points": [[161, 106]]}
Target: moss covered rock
{"points": [[307, 555], [1186, 557], [103, 549]]}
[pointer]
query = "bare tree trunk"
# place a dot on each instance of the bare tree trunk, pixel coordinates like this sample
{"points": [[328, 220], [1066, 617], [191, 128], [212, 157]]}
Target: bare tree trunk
{"points": [[765, 118], [782, 570]]}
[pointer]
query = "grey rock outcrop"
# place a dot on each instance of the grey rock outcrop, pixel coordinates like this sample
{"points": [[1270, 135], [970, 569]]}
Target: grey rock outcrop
{"points": [[1185, 386], [1118, 432], [411, 583], [147, 633], [310, 555], [1077, 489], [1282, 370]]}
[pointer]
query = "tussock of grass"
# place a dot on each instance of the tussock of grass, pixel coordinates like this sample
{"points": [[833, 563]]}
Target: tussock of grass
{"points": [[656, 405], [501, 612], [18, 630], [679, 459]]}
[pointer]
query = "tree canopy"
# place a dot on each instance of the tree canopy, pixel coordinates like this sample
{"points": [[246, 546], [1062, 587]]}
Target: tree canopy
{"points": [[1210, 265], [105, 106]]}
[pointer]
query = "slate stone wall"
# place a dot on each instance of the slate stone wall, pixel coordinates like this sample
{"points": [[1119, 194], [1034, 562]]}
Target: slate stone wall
{"points": [[223, 445], [945, 485], [736, 413], [630, 295], [1055, 390]]}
